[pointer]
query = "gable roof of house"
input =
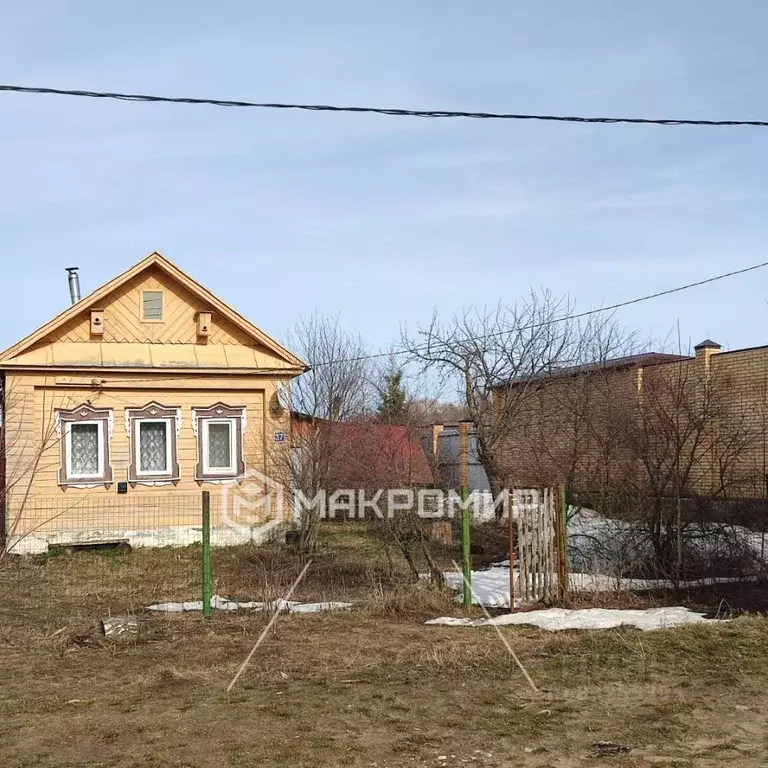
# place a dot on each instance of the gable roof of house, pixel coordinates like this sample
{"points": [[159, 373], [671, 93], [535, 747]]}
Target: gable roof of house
{"points": [[168, 267]]}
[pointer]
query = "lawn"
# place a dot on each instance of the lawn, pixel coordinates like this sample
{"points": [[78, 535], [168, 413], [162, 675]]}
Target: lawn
{"points": [[369, 687]]}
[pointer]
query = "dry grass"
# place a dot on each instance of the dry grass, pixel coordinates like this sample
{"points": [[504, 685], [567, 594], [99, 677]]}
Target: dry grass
{"points": [[415, 601], [372, 686]]}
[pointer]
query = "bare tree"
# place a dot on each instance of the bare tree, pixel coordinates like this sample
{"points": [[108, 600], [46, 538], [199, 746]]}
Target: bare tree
{"points": [[432, 410], [498, 358], [688, 437], [338, 384], [661, 451], [25, 453], [338, 387]]}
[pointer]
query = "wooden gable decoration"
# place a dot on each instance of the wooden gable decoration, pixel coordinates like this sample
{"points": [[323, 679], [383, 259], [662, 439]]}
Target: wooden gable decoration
{"points": [[127, 338]]}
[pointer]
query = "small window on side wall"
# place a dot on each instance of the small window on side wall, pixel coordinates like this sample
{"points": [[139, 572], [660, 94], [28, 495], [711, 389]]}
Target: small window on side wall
{"points": [[84, 434], [152, 306], [153, 434], [219, 432]]}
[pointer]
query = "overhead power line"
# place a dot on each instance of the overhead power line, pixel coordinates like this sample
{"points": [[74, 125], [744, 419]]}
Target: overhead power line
{"points": [[532, 326], [433, 113], [576, 316]]}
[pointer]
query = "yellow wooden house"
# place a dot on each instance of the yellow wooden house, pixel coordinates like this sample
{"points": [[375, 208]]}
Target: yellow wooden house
{"points": [[123, 408]]}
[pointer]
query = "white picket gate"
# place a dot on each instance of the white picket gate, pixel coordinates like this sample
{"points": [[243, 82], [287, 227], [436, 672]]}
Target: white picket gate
{"points": [[539, 552]]}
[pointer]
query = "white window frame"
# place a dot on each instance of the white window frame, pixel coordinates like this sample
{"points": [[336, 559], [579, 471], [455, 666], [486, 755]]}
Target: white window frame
{"points": [[168, 448], [99, 424], [231, 470]]}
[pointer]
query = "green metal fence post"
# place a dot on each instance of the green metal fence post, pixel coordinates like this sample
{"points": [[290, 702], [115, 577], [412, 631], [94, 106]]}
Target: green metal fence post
{"points": [[207, 578], [466, 561]]}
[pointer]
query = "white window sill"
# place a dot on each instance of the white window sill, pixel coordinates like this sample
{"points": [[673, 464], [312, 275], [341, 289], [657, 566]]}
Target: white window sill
{"points": [[220, 480], [84, 483]]}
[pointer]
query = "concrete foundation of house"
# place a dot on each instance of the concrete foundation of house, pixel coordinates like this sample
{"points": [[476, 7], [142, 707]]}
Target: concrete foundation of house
{"points": [[170, 536]]}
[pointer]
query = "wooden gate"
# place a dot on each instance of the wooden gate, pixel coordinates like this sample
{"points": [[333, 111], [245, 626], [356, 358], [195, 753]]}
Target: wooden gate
{"points": [[537, 545]]}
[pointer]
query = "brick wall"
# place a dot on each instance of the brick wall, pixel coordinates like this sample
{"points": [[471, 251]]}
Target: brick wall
{"points": [[701, 421]]}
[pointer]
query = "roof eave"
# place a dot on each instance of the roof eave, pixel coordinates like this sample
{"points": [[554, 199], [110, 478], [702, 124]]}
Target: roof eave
{"points": [[143, 369], [177, 273]]}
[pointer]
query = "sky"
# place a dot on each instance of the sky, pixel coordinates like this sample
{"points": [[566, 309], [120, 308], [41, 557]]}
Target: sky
{"points": [[381, 220]]}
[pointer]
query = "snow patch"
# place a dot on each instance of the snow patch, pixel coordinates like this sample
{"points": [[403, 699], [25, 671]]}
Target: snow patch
{"points": [[556, 619], [491, 588], [597, 543], [225, 604]]}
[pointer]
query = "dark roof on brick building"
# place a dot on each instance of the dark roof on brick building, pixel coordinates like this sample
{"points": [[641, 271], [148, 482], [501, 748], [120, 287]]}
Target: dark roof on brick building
{"points": [[617, 363]]}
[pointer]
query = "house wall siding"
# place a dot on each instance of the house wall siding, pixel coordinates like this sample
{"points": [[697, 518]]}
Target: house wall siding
{"points": [[34, 450]]}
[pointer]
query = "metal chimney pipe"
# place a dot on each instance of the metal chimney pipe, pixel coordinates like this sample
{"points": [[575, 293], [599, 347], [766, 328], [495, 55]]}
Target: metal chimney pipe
{"points": [[74, 284]]}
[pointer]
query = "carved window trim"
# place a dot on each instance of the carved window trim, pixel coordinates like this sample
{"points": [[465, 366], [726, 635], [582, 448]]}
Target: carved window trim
{"points": [[153, 412], [84, 414], [201, 419]]}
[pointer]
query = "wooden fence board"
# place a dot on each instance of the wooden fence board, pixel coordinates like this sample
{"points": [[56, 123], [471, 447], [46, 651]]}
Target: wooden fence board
{"points": [[539, 547]]}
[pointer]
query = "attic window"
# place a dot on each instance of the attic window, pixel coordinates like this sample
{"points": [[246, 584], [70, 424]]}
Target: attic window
{"points": [[152, 306]]}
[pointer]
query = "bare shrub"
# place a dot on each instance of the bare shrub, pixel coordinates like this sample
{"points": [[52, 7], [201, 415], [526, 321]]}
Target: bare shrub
{"points": [[663, 450], [332, 575], [418, 600]]}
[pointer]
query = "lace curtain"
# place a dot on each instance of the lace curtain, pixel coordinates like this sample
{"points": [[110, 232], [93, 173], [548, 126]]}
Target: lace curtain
{"points": [[219, 446], [85, 449], [153, 447]]}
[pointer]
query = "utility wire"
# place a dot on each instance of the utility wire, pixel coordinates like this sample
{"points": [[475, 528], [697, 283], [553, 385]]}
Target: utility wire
{"points": [[143, 97], [429, 114], [532, 326]]}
